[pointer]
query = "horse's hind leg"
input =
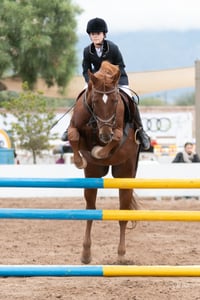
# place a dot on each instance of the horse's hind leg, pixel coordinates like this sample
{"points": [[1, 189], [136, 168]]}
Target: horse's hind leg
{"points": [[90, 196], [126, 200]]}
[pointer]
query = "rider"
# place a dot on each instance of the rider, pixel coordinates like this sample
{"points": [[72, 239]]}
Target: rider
{"points": [[99, 50]]}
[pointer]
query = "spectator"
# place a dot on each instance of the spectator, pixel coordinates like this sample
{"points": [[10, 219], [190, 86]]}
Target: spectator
{"points": [[61, 160], [188, 155], [16, 158]]}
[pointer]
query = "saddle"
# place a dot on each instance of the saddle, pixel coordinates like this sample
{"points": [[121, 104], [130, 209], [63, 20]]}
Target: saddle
{"points": [[129, 106]]}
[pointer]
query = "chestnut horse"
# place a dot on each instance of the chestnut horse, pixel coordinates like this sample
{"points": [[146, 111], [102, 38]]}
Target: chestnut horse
{"points": [[101, 134]]}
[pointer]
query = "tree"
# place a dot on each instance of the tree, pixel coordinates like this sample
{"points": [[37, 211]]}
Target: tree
{"points": [[37, 39], [32, 128]]}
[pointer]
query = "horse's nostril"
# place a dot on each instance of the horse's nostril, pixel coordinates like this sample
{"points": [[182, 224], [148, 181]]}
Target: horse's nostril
{"points": [[105, 138]]}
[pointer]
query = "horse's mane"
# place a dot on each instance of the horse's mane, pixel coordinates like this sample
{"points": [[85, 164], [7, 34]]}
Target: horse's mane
{"points": [[108, 74], [108, 70]]}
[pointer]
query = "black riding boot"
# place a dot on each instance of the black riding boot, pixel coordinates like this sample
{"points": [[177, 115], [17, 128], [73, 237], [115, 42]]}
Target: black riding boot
{"points": [[64, 137], [142, 136]]}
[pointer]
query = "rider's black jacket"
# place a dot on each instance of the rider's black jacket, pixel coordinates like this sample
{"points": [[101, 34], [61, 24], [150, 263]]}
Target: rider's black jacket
{"points": [[111, 53]]}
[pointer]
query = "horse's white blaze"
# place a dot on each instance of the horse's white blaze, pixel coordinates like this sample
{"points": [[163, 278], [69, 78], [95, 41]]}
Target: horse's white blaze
{"points": [[105, 98]]}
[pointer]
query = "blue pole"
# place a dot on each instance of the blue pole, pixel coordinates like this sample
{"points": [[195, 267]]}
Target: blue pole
{"points": [[49, 270], [52, 182], [51, 214]]}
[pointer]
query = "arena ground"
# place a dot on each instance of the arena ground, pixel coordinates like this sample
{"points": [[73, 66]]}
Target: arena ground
{"points": [[60, 242]]}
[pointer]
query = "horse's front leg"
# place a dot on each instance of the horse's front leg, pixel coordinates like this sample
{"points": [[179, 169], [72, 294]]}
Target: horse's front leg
{"points": [[125, 204], [74, 139], [101, 152], [90, 196]]}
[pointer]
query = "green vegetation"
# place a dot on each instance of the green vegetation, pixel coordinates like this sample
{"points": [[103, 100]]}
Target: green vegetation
{"points": [[187, 99], [59, 102], [152, 101], [52, 103], [32, 129], [38, 39]]}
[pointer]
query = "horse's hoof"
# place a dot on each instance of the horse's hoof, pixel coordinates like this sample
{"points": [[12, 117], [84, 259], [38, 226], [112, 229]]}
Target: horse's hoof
{"points": [[121, 259], [132, 226], [86, 260], [95, 152], [82, 164]]}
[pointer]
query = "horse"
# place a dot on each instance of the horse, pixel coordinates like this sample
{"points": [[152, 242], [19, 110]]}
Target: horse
{"points": [[102, 135]]}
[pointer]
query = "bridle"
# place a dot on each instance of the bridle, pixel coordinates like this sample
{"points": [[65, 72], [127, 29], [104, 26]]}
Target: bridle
{"points": [[115, 89], [110, 122]]}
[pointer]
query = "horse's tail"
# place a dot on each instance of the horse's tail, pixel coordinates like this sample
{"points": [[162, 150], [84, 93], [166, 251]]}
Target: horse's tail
{"points": [[134, 204]]}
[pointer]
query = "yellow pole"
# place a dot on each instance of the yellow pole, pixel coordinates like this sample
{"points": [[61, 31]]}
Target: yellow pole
{"points": [[162, 271], [131, 183], [151, 215]]}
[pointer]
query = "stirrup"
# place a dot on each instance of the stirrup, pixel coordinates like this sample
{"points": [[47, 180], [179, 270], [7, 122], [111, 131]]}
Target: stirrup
{"points": [[136, 132], [141, 140]]}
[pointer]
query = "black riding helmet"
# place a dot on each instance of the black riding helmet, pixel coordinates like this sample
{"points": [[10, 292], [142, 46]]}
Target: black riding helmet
{"points": [[96, 25]]}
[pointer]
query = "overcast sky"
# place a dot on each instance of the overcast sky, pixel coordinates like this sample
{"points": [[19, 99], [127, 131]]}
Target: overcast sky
{"points": [[129, 15]]}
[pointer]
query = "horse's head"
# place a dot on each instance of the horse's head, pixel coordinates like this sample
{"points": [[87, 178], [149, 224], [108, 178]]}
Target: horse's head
{"points": [[104, 97]]}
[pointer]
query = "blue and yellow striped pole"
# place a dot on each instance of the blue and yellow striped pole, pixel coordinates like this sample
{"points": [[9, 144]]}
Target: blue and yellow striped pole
{"points": [[106, 215], [102, 271], [99, 183]]}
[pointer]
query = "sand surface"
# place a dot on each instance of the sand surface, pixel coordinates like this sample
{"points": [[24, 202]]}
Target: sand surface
{"points": [[60, 242]]}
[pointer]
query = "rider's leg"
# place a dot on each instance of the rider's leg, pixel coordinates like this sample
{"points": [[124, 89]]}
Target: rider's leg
{"points": [[143, 138], [64, 136], [141, 134]]}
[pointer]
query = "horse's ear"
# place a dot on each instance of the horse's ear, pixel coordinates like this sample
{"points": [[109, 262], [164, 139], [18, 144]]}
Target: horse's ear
{"points": [[117, 76], [89, 85], [92, 77]]}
